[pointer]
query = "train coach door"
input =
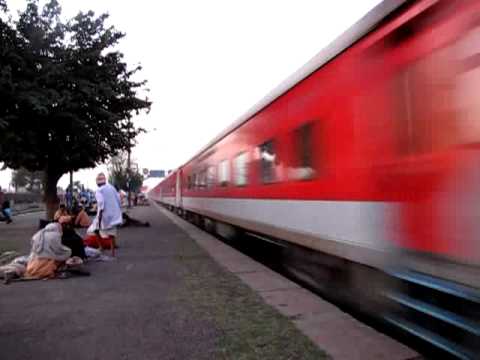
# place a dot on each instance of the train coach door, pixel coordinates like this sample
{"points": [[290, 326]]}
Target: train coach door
{"points": [[178, 192]]}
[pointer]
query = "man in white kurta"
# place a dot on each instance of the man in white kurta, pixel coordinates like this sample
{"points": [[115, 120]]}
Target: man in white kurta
{"points": [[109, 212]]}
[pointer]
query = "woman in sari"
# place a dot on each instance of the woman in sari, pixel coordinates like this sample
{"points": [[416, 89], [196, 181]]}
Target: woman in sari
{"points": [[47, 252]]}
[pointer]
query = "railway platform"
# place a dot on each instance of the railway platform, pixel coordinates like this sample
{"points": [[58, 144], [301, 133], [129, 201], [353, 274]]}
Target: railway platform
{"points": [[175, 292]]}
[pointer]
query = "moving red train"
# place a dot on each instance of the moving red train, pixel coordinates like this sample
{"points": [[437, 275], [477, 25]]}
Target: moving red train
{"points": [[370, 156]]}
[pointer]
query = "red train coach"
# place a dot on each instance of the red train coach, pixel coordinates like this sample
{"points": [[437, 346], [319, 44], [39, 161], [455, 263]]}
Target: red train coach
{"points": [[368, 154], [165, 192]]}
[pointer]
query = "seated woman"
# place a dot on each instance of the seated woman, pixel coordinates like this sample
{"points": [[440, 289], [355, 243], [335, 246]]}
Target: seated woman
{"points": [[47, 252], [81, 218], [70, 238], [62, 211]]}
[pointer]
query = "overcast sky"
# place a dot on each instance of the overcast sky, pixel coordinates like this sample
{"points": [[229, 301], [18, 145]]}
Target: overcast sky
{"points": [[207, 62]]}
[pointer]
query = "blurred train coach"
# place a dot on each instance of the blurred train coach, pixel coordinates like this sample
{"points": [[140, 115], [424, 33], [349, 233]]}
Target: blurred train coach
{"points": [[369, 157]]}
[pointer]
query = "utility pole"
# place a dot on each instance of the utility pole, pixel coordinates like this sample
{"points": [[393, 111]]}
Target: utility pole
{"points": [[128, 180], [71, 190]]}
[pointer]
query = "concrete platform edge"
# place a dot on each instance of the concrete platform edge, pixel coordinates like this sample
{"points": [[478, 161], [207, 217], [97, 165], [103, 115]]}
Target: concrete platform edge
{"points": [[332, 330]]}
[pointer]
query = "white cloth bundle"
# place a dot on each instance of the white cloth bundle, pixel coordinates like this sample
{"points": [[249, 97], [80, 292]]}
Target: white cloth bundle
{"points": [[47, 244]]}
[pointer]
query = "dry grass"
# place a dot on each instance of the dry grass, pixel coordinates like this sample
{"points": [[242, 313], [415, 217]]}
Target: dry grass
{"points": [[249, 328]]}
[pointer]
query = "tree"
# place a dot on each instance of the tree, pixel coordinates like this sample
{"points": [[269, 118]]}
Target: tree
{"points": [[71, 96], [31, 180], [119, 174], [10, 65]]}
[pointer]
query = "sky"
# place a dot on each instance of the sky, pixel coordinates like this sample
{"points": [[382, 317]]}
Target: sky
{"points": [[207, 62]]}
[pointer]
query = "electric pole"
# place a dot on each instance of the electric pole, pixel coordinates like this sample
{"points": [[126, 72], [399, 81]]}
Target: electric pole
{"points": [[128, 180], [71, 190]]}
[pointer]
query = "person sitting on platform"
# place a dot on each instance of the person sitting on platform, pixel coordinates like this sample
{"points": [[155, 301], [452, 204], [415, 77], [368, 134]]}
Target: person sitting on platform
{"points": [[47, 252], [62, 211], [81, 218], [70, 238]]}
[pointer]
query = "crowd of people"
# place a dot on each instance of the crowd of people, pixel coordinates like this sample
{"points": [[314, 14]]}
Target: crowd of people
{"points": [[79, 197], [77, 216], [58, 250]]}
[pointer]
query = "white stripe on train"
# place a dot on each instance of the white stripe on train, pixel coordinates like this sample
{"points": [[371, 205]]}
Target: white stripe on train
{"points": [[360, 231]]}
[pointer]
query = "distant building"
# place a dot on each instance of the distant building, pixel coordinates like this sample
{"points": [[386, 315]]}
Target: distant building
{"points": [[156, 173]]}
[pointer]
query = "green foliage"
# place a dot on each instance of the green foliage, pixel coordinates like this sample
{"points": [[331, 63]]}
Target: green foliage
{"points": [[69, 97], [119, 174]]}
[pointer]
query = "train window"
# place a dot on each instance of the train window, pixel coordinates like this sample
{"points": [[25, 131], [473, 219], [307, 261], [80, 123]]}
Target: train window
{"points": [[302, 168], [210, 176], [189, 182], [267, 161], [203, 178], [467, 82], [304, 145], [426, 95], [241, 167], [196, 182], [223, 173]]}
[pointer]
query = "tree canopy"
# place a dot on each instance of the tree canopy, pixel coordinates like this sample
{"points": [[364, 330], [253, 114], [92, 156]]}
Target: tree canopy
{"points": [[69, 95], [30, 180], [122, 177]]}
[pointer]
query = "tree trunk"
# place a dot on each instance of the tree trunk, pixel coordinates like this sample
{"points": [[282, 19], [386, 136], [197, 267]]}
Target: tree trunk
{"points": [[51, 198]]}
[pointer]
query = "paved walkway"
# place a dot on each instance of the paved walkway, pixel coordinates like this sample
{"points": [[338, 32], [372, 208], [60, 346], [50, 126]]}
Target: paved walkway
{"points": [[163, 298]]}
